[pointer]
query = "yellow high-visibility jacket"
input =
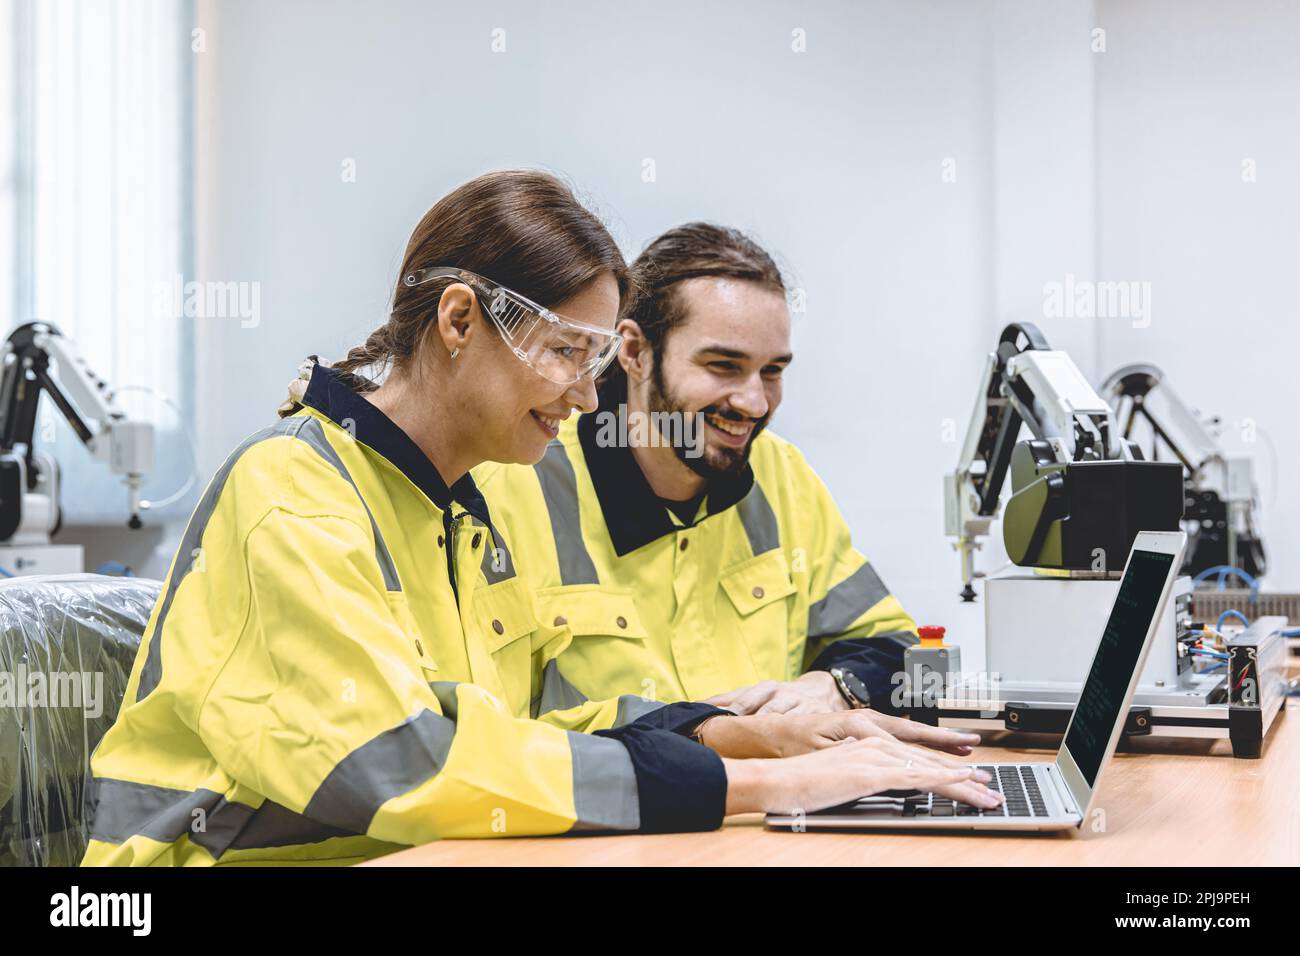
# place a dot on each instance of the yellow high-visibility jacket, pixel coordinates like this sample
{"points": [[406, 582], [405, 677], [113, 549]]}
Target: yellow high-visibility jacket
{"points": [[764, 584], [343, 661]]}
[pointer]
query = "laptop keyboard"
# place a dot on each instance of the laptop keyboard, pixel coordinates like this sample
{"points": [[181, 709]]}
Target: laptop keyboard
{"points": [[1018, 784]]}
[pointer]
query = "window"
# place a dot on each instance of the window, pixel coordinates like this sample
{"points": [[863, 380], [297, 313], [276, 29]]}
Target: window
{"points": [[98, 204]]}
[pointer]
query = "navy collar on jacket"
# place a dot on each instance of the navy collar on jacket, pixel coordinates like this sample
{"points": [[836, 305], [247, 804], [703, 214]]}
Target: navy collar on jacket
{"points": [[634, 514], [340, 404]]}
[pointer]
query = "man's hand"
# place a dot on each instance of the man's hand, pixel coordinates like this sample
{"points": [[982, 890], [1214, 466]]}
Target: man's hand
{"points": [[784, 735], [813, 693]]}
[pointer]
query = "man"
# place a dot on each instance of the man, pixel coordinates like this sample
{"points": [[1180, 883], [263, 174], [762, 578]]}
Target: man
{"points": [[693, 554]]}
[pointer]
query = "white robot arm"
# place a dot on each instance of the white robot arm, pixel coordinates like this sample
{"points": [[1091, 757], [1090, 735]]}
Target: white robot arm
{"points": [[1220, 488], [38, 359], [1078, 486]]}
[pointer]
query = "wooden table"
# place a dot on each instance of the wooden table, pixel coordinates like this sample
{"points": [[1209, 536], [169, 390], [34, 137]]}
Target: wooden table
{"points": [[1166, 802]]}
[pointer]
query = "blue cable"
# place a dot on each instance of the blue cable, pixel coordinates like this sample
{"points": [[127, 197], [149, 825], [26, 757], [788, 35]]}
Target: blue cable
{"points": [[1223, 570], [1293, 632], [1208, 653], [1231, 612], [115, 567], [6, 572]]}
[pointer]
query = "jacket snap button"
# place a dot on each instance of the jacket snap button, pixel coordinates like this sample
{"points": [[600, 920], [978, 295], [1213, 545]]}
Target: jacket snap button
{"points": [[561, 620], [758, 592], [440, 541], [477, 539], [498, 627], [621, 622], [685, 542]]}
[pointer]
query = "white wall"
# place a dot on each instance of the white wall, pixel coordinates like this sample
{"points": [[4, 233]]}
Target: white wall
{"points": [[1044, 164], [833, 157], [1186, 91]]}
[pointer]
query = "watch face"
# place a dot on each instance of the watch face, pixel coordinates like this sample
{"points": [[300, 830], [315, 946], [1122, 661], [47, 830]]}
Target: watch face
{"points": [[856, 688]]}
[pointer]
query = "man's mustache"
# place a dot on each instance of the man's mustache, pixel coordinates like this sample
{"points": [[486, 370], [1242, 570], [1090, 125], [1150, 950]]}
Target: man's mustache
{"points": [[734, 416]]}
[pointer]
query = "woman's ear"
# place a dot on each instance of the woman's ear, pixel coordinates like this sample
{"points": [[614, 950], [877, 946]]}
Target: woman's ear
{"points": [[458, 316], [636, 356]]}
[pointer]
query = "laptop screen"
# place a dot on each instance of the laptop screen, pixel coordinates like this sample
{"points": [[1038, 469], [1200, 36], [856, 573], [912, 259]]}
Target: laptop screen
{"points": [[1117, 657]]}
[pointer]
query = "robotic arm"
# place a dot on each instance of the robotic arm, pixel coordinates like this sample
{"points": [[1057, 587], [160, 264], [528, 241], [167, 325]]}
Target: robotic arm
{"points": [[1080, 490], [38, 358], [1220, 488]]}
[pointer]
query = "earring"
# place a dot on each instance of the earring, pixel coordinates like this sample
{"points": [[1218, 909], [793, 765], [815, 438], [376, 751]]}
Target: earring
{"points": [[455, 351]]}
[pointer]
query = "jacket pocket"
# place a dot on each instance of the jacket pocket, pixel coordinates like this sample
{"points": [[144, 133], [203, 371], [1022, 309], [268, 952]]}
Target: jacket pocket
{"points": [[754, 584], [506, 620], [588, 609], [406, 621], [759, 591], [607, 655]]}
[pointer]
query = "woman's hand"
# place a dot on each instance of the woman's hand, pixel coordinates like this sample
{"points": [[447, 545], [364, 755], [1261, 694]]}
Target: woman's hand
{"points": [[847, 772], [787, 735]]}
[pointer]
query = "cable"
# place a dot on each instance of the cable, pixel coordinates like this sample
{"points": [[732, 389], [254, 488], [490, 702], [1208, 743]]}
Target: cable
{"points": [[115, 567], [1210, 636], [150, 504], [7, 573], [1223, 570], [1231, 612]]}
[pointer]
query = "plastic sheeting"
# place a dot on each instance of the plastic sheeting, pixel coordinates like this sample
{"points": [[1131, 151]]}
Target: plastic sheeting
{"points": [[67, 643]]}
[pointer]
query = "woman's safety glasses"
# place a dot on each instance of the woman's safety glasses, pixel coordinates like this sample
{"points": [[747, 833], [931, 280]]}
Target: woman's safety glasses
{"points": [[558, 349]]}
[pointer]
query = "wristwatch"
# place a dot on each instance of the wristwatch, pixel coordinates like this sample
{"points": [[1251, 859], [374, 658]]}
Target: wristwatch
{"points": [[853, 691]]}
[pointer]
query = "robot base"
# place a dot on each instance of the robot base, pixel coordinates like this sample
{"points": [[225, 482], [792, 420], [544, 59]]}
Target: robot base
{"points": [[1041, 635], [20, 559]]}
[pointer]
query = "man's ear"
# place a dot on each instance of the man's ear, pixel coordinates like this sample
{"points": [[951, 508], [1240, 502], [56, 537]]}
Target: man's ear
{"points": [[458, 316], [636, 354]]}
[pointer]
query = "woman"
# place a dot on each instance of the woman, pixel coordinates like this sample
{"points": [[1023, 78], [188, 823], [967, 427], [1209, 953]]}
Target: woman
{"points": [[343, 661]]}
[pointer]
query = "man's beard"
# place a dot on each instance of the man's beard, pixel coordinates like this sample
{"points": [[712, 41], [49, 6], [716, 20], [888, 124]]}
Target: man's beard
{"points": [[713, 462]]}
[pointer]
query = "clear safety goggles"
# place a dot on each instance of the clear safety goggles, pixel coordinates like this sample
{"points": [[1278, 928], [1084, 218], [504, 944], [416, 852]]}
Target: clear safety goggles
{"points": [[558, 349]]}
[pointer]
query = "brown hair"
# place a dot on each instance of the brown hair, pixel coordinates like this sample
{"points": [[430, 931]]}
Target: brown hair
{"points": [[693, 251], [521, 228]]}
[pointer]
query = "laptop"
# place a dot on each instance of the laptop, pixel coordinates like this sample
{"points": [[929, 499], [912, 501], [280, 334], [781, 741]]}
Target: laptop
{"points": [[1043, 796]]}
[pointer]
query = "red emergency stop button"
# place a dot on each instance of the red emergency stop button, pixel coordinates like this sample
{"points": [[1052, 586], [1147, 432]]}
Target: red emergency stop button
{"points": [[931, 635]]}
